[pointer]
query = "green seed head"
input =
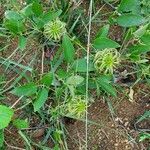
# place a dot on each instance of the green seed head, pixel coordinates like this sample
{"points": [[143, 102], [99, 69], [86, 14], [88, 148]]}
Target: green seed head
{"points": [[105, 61], [54, 30], [76, 107]]}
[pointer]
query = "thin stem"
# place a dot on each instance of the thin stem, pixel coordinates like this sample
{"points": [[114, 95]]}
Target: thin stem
{"points": [[14, 147], [42, 65], [87, 73], [16, 102]]}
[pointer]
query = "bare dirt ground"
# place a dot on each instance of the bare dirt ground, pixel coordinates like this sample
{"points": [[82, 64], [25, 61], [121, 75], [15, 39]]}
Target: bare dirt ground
{"points": [[117, 133], [104, 131]]}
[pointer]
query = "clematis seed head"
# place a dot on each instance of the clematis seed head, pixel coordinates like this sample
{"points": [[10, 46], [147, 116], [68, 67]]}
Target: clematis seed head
{"points": [[54, 30], [107, 60]]}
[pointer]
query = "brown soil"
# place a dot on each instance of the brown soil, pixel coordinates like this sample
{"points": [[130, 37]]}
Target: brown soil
{"points": [[112, 133], [105, 131]]}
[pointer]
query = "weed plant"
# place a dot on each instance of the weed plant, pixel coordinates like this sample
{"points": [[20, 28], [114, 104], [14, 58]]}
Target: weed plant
{"points": [[52, 73]]}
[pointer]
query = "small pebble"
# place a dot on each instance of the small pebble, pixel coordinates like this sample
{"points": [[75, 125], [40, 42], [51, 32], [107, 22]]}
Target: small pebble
{"points": [[126, 124]]}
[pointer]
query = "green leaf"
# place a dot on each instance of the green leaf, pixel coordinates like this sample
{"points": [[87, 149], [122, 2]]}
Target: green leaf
{"points": [[62, 74], [80, 65], [69, 51], [22, 42], [139, 49], [12, 15], [47, 79], [46, 17], [37, 9], [105, 85], [27, 11], [6, 114], [103, 32], [129, 20], [49, 16], [1, 138], [129, 6], [141, 31], [31, 1], [41, 99], [14, 26], [20, 124], [144, 136], [103, 42], [25, 90], [146, 115], [146, 38], [75, 80]]}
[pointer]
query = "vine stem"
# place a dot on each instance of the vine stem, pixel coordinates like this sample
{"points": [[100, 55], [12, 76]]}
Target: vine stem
{"points": [[87, 73]]}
